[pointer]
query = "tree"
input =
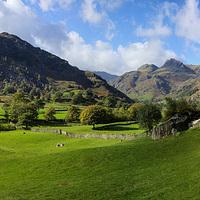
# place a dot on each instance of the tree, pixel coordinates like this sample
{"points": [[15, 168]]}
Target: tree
{"points": [[9, 89], [149, 115], [133, 110], [57, 96], [78, 99], [49, 114], [23, 113], [171, 107], [120, 114], [73, 114], [178, 106], [94, 114], [110, 101], [28, 116], [184, 107], [39, 103]]}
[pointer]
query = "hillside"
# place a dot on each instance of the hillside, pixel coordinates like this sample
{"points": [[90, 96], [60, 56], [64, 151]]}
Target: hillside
{"points": [[108, 77], [150, 82], [33, 168], [21, 63]]}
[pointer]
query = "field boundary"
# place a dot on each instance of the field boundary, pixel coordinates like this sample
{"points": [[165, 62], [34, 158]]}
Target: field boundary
{"points": [[93, 135]]}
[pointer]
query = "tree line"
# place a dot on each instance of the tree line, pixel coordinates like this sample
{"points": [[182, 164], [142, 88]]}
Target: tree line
{"points": [[22, 111]]}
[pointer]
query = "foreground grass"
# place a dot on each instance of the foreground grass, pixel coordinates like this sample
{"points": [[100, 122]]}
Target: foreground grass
{"points": [[31, 167]]}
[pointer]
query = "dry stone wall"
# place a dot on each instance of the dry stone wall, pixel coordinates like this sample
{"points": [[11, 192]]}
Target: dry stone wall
{"points": [[171, 127], [93, 135]]}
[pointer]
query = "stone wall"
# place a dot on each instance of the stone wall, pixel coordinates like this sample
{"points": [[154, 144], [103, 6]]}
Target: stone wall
{"points": [[171, 127], [93, 135]]}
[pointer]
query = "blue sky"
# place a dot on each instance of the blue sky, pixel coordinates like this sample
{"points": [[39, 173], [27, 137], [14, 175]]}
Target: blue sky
{"points": [[115, 36]]}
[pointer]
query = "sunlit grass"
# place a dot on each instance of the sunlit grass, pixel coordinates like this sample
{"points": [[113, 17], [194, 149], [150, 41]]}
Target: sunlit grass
{"points": [[114, 128], [31, 167]]}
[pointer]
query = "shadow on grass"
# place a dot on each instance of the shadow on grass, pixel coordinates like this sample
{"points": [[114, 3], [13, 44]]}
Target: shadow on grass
{"points": [[56, 123], [115, 128]]}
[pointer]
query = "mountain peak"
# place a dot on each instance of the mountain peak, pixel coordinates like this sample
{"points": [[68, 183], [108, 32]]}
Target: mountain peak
{"points": [[148, 68], [175, 66], [173, 62]]}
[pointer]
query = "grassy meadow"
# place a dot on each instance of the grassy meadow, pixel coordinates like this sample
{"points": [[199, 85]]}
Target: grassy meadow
{"points": [[31, 167], [112, 128]]}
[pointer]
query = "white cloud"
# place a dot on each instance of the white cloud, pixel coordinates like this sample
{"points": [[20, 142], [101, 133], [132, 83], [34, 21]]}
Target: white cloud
{"points": [[137, 54], [188, 21], [98, 17], [157, 31], [90, 13], [16, 18], [47, 5], [102, 57], [158, 28]]}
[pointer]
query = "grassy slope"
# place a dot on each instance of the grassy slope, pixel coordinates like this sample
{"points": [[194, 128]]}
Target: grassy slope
{"points": [[132, 129], [31, 167]]}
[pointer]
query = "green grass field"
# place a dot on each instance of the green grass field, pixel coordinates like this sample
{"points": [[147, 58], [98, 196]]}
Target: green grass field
{"points": [[31, 167], [132, 129]]}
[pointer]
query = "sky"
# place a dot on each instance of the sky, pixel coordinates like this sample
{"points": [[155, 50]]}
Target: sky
{"points": [[115, 36]]}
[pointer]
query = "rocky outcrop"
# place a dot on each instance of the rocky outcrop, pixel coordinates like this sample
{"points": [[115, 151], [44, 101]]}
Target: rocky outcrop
{"points": [[196, 123], [171, 127]]}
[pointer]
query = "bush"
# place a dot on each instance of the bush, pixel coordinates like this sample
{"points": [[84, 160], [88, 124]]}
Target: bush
{"points": [[7, 127]]}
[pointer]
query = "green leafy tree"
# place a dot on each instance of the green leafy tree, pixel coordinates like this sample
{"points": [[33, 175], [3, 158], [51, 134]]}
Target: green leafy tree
{"points": [[171, 107], [110, 101], [133, 110], [19, 97], [49, 114], [23, 113], [9, 89], [5, 107], [120, 114], [39, 104], [94, 114], [73, 114], [47, 96], [28, 115], [57, 96], [184, 107], [178, 106], [78, 99], [149, 115]]}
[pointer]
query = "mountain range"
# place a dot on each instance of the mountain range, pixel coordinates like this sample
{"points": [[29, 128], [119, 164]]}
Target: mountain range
{"points": [[20, 62], [108, 77], [151, 82]]}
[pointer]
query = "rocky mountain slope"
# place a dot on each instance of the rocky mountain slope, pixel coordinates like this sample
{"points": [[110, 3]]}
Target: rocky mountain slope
{"points": [[150, 82], [20, 63], [108, 77]]}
